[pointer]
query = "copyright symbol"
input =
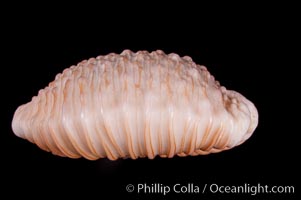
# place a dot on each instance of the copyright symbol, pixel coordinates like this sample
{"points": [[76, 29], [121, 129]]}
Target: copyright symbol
{"points": [[129, 188]]}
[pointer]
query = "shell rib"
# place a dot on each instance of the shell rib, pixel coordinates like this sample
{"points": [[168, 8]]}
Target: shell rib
{"points": [[135, 105]]}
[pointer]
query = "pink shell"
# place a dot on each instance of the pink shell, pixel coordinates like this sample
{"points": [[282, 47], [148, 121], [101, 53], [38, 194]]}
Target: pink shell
{"points": [[135, 105]]}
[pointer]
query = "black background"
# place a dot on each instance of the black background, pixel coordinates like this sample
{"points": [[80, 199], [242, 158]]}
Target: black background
{"points": [[249, 55]]}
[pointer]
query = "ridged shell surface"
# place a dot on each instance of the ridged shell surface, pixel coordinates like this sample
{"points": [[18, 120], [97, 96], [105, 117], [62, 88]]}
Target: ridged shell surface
{"points": [[135, 105]]}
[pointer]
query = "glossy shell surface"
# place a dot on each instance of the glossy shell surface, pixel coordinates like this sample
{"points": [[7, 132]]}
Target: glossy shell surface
{"points": [[135, 105]]}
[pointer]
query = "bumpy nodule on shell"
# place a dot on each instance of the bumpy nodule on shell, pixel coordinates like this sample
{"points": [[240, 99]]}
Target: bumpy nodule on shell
{"points": [[135, 105]]}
